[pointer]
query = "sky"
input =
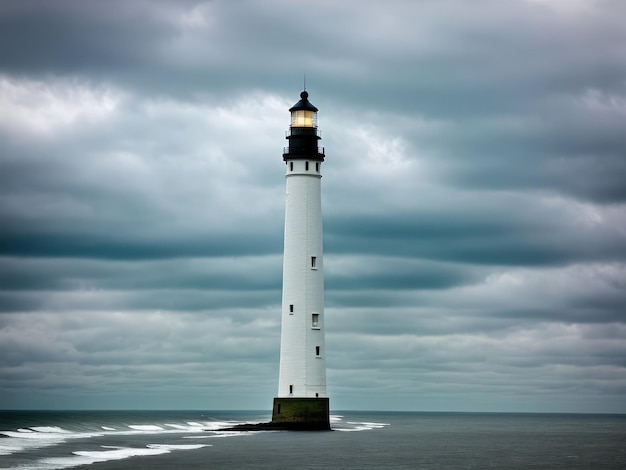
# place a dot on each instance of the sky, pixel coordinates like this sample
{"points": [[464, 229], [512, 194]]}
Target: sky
{"points": [[474, 201]]}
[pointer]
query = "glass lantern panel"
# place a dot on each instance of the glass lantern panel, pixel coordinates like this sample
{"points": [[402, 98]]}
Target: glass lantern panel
{"points": [[303, 118]]}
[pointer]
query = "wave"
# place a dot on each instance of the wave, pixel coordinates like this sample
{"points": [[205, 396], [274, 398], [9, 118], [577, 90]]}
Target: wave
{"points": [[36, 437], [361, 426], [114, 453], [23, 440], [146, 427]]}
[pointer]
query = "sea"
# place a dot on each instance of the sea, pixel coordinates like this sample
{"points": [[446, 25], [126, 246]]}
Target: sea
{"points": [[103, 440]]}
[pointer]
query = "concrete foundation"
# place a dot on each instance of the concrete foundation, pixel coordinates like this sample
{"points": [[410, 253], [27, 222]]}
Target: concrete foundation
{"points": [[302, 413]]}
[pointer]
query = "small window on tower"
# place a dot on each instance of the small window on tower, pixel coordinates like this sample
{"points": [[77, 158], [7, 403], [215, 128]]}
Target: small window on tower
{"points": [[290, 389], [314, 262], [317, 350], [306, 166], [315, 320], [317, 167], [290, 166], [290, 308]]}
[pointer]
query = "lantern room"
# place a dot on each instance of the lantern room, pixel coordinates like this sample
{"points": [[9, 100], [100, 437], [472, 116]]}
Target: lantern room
{"points": [[303, 113]]}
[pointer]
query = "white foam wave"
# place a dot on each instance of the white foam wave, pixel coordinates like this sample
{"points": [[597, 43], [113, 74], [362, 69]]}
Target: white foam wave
{"points": [[118, 453], [178, 426], [373, 425], [26, 439], [36, 437], [366, 423], [192, 427], [90, 457], [50, 429], [145, 427], [361, 426], [215, 434], [31, 435], [178, 446], [112, 453]]}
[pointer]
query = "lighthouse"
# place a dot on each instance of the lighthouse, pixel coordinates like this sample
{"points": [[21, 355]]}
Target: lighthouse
{"points": [[302, 402]]}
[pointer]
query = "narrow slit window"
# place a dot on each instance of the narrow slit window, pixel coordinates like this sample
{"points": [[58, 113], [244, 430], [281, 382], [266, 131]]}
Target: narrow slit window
{"points": [[317, 350], [290, 166], [290, 388], [306, 166], [314, 262], [290, 308], [315, 320], [317, 167]]}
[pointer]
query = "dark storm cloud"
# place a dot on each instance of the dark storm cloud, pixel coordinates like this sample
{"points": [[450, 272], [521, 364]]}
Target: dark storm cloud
{"points": [[69, 274], [108, 247], [191, 300], [574, 146], [74, 36], [146, 45], [497, 233]]}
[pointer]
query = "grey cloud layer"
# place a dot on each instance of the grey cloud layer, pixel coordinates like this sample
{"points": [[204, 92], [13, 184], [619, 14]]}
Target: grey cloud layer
{"points": [[474, 201]]}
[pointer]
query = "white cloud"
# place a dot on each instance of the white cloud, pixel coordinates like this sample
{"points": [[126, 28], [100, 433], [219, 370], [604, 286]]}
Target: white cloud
{"points": [[44, 108]]}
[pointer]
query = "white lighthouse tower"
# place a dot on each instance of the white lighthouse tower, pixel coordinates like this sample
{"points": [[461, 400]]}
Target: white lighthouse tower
{"points": [[302, 401]]}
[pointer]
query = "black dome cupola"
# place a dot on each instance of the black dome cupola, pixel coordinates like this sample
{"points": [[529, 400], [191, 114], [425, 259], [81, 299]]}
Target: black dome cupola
{"points": [[303, 133]]}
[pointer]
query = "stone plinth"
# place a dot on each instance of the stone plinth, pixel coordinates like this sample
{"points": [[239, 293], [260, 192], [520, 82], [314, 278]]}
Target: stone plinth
{"points": [[301, 413]]}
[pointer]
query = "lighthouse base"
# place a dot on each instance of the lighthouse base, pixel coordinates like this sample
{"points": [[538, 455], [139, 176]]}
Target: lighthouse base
{"points": [[303, 414]]}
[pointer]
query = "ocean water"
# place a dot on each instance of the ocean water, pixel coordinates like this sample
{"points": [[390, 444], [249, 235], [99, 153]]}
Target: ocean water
{"points": [[101, 440]]}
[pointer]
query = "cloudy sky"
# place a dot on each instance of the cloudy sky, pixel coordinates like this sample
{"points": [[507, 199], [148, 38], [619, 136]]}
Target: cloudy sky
{"points": [[474, 199]]}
